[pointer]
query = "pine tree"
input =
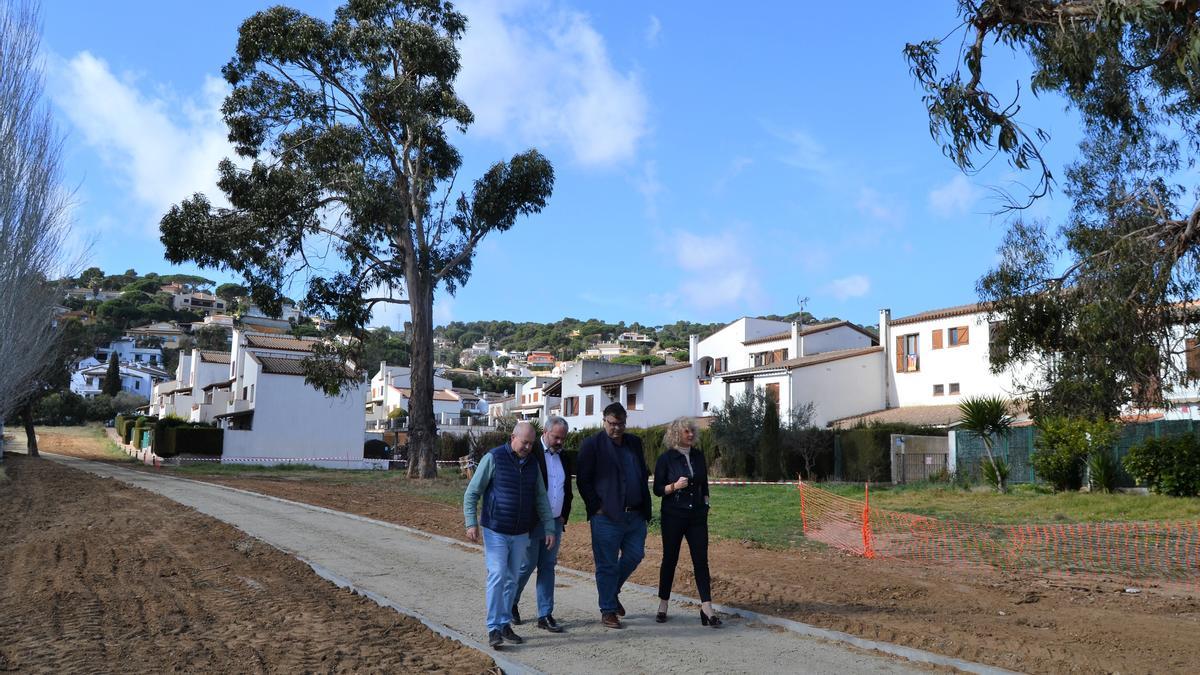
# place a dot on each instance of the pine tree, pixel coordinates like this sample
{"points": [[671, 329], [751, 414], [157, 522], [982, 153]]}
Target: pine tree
{"points": [[769, 465], [112, 377]]}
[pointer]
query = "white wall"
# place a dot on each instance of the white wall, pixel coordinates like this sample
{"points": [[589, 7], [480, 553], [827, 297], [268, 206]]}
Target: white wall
{"points": [[840, 388], [967, 365], [291, 419]]}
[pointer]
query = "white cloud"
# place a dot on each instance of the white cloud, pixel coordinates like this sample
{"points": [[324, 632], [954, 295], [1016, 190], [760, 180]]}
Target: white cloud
{"points": [[718, 271], [736, 167], [954, 198], [854, 286], [802, 151], [540, 73], [650, 187], [161, 147], [653, 30], [878, 207]]}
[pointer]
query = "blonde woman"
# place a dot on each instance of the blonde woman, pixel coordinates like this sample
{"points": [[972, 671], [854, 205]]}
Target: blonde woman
{"points": [[681, 479]]}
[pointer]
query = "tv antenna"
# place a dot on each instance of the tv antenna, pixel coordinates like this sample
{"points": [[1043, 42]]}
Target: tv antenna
{"points": [[801, 301]]}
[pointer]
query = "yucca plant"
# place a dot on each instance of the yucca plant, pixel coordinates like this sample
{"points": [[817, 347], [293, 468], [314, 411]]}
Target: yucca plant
{"points": [[1103, 471], [989, 417]]}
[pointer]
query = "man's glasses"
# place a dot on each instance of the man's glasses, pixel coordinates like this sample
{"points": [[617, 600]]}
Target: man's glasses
{"points": [[616, 424]]}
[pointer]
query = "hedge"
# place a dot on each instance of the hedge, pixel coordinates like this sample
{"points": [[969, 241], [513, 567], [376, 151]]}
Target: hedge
{"points": [[141, 425], [192, 440]]}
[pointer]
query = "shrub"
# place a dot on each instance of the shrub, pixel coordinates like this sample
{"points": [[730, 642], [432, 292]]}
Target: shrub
{"points": [[60, 409], [995, 472], [100, 408], [1063, 446], [1103, 471], [197, 439], [161, 445], [1169, 466], [397, 414]]}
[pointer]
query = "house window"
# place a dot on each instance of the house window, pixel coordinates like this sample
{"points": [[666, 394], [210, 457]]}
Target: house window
{"points": [[535, 397], [998, 342], [137, 384], [958, 336], [704, 406], [720, 365], [245, 391], [953, 388], [773, 392], [589, 404], [251, 392], [907, 354], [939, 389], [937, 339], [571, 406], [631, 401]]}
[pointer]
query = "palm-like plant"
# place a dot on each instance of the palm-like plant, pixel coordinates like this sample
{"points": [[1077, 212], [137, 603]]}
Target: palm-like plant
{"points": [[989, 417]]}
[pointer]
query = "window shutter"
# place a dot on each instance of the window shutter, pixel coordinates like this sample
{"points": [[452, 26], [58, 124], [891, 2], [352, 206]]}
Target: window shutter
{"points": [[900, 354], [1193, 358], [962, 335], [937, 339]]}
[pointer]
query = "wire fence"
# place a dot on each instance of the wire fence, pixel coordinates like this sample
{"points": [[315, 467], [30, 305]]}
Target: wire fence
{"points": [[1168, 550]]}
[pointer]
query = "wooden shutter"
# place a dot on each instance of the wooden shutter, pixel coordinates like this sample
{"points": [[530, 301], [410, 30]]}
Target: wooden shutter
{"points": [[773, 391], [1193, 358], [631, 401], [900, 354], [589, 404], [937, 339], [962, 335]]}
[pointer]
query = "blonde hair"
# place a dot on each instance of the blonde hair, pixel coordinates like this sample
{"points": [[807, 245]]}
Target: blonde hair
{"points": [[675, 431]]}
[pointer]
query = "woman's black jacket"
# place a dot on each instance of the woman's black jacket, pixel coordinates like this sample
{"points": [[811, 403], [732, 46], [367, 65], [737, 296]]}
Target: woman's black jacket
{"points": [[671, 465]]}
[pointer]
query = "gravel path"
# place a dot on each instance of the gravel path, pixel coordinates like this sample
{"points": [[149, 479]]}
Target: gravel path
{"points": [[443, 582]]}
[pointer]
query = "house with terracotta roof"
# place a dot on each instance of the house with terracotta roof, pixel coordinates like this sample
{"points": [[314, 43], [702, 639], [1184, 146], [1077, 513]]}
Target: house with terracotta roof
{"points": [[270, 413], [390, 388], [824, 364], [184, 396], [651, 396]]}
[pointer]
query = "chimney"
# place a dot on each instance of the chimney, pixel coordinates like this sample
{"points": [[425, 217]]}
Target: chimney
{"points": [[885, 341], [797, 339], [693, 348]]}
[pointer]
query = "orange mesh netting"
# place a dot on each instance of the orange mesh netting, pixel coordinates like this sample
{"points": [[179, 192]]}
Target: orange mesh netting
{"points": [[1168, 550]]}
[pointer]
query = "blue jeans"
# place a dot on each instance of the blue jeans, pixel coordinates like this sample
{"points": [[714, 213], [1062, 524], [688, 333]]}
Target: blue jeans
{"points": [[503, 555], [543, 559], [618, 546]]}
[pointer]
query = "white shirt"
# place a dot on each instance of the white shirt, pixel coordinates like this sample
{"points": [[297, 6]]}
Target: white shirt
{"points": [[556, 477]]}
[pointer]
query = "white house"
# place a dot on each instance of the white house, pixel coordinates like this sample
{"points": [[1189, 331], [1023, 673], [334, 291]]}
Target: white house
{"points": [[271, 414], [533, 402], [726, 362], [184, 395], [167, 331], [651, 396], [390, 389], [138, 379], [127, 351], [199, 302]]}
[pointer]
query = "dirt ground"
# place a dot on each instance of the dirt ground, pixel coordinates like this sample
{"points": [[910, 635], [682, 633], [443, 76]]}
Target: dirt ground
{"points": [[1026, 622], [101, 577]]}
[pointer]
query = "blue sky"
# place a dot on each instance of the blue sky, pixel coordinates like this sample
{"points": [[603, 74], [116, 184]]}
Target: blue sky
{"points": [[710, 162]]}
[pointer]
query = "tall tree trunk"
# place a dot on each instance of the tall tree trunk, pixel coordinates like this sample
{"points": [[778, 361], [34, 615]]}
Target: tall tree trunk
{"points": [[30, 436], [422, 428]]}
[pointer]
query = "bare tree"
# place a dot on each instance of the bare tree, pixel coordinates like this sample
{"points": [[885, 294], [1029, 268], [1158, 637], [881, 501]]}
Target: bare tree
{"points": [[34, 211]]}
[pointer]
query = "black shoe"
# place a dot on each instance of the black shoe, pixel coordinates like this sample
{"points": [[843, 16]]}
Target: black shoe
{"points": [[620, 608], [509, 636], [611, 620], [661, 617], [495, 639], [548, 623], [516, 616], [706, 620]]}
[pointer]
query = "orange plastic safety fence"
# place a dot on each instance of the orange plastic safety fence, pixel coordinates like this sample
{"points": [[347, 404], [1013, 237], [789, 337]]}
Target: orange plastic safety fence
{"points": [[1161, 550]]}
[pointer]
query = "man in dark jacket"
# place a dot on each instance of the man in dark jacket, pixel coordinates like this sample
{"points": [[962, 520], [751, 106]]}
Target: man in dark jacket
{"points": [[557, 474], [612, 476], [514, 502]]}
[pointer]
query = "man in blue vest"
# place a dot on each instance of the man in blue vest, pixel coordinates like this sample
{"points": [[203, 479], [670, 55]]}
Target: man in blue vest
{"points": [[514, 503]]}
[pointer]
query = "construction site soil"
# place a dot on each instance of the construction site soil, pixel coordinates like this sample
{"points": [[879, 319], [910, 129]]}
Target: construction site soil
{"points": [[1030, 622], [101, 577]]}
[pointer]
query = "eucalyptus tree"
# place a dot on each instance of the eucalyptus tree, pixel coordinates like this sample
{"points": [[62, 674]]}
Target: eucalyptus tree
{"points": [[344, 130], [34, 216], [1102, 302]]}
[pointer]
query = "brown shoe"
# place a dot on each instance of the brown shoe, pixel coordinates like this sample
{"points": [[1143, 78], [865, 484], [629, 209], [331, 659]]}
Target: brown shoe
{"points": [[610, 620]]}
